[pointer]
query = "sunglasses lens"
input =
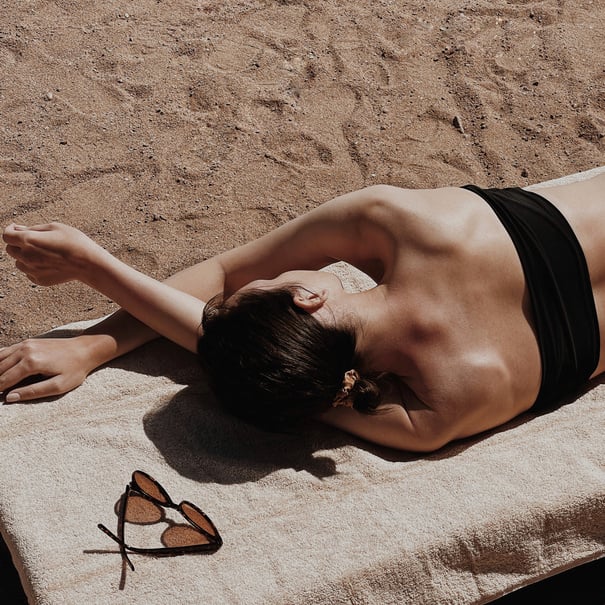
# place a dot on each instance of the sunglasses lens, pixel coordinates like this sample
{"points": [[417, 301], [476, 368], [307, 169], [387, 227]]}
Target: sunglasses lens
{"points": [[150, 487], [141, 511], [197, 517], [178, 536]]}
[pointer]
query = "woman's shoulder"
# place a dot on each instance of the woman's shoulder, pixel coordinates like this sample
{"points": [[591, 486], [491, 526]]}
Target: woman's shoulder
{"points": [[428, 221], [413, 209], [365, 228]]}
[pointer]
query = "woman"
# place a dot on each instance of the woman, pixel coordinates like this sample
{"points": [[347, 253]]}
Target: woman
{"points": [[486, 305]]}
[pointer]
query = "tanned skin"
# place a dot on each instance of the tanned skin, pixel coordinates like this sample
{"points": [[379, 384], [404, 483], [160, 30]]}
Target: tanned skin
{"points": [[449, 319]]}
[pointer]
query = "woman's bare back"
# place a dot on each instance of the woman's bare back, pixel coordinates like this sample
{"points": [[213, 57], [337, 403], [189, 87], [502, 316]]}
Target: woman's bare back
{"points": [[459, 330], [460, 333]]}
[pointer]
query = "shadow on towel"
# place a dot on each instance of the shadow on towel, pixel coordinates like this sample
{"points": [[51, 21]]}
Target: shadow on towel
{"points": [[203, 442]]}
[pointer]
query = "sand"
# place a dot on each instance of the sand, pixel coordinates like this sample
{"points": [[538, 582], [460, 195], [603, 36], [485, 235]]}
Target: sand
{"points": [[173, 130]]}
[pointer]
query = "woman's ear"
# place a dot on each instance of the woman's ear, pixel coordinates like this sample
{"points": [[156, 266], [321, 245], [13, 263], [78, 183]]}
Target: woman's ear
{"points": [[309, 301]]}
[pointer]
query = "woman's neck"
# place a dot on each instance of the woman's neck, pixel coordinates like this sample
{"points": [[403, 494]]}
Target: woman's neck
{"points": [[377, 331]]}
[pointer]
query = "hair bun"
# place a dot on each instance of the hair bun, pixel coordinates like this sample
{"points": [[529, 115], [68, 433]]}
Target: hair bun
{"points": [[365, 395]]}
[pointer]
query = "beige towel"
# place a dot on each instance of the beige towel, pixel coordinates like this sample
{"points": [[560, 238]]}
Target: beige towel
{"points": [[323, 518]]}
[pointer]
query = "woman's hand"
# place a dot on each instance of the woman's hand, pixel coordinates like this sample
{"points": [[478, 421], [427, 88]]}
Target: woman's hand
{"points": [[51, 254], [62, 364]]}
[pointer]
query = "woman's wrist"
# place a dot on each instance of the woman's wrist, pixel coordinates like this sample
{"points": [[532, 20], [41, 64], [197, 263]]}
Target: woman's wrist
{"points": [[94, 350], [116, 335], [96, 266]]}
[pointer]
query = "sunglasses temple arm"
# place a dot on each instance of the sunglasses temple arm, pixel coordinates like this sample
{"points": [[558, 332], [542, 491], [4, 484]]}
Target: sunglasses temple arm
{"points": [[120, 542]]}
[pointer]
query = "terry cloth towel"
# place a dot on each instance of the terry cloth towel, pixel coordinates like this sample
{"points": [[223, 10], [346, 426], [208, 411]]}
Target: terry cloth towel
{"points": [[320, 519]]}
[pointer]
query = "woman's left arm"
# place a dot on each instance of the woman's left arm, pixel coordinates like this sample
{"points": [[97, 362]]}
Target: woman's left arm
{"points": [[56, 253]]}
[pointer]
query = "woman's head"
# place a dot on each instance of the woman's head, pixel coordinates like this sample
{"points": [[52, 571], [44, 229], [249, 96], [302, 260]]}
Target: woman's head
{"points": [[274, 363]]}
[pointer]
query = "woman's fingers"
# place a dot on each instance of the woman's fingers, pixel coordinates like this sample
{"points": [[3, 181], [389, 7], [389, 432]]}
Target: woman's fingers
{"points": [[17, 363], [12, 250], [14, 369], [38, 390], [13, 230], [8, 359], [26, 263], [13, 375], [43, 367], [13, 234], [21, 237]]}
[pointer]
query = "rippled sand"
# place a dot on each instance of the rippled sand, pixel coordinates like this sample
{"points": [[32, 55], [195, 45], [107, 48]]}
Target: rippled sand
{"points": [[171, 131]]}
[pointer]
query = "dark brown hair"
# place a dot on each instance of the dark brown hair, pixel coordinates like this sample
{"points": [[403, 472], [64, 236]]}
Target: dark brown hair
{"points": [[272, 363]]}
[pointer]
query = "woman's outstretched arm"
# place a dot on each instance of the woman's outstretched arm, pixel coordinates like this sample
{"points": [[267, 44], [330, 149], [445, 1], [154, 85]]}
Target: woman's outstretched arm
{"points": [[56, 253]]}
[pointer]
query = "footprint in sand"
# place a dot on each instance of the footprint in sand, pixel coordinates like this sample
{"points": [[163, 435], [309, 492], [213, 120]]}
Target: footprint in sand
{"points": [[298, 151]]}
